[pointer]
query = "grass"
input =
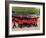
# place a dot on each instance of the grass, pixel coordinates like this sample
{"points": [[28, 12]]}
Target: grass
{"points": [[25, 10]]}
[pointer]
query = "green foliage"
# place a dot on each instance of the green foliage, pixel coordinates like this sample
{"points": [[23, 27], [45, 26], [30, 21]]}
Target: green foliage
{"points": [[26, 10]]}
